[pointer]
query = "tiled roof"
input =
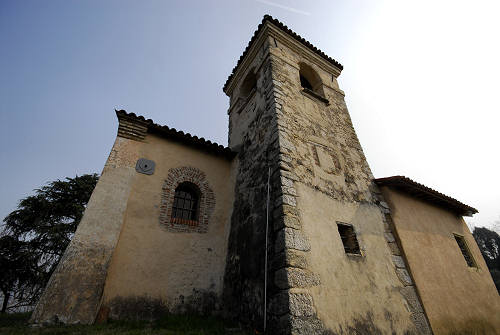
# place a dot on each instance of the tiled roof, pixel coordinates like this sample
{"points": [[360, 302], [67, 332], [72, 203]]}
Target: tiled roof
{"points": [[425, 193], [269, 18], [178, 135]]}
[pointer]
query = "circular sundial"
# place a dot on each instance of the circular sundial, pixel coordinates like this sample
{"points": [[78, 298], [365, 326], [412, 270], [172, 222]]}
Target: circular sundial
{"points": [[145, 166]]}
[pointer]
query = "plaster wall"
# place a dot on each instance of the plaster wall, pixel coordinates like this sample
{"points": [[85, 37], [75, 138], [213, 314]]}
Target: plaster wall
{"points": [[152, 269], [74, 291], [356, 292], [457, 299], [242, 117], [244, 109]]}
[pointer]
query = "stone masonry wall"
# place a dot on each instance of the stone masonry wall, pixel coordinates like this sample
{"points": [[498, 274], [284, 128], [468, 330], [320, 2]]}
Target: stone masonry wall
{"points": [[258, 148], [312, 143], [291, 306], [255, 131], [317, 147]]}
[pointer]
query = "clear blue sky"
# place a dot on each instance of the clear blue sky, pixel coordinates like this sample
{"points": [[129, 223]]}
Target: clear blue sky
{"points": [[419, 105]]}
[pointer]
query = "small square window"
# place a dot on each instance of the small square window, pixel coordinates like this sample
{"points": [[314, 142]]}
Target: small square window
{"points": [[348, 236], [465, 251]]}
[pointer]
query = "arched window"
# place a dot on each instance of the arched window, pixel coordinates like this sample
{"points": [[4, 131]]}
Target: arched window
{"points": [[310, 80], [186, 203], [248, 84], [305, 83]]}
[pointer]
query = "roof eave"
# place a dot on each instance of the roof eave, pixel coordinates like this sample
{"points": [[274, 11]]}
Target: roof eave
{"points": [[425, 193], [178, 135]]}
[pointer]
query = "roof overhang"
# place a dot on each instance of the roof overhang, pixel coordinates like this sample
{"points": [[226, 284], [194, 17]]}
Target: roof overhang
{"points": [[177, 135], [425, 193]]}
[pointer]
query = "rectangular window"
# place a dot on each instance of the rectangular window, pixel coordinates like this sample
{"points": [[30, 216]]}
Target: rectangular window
{"points": [[348, 236], [465, 251]]}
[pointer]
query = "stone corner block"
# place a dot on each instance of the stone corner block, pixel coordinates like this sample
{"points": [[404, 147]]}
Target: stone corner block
{"points": [[293, 277], [287, 221], [389, 237], [301, 304], [290, 258], [309, 325], [404, 277], [296, 304], [398, 261], [387, 228], [286, 199], [296, 258], [289, 190], [421, 323], [286, 181], [289, 175], [394, 248], [285, 210], [409, 293], [289, 238]]}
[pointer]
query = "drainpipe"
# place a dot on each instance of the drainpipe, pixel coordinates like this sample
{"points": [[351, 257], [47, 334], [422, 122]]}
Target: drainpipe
{"points": [[265, 261]]}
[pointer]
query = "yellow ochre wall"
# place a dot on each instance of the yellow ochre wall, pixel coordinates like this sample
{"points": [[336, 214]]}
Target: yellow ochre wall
{"points": [[458, 299], [356, 292], [169, 270]]}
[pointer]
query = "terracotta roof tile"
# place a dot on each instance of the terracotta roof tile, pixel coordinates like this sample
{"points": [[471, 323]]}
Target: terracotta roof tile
{"points": [[269, 18], [426, 193], [178, 135]]}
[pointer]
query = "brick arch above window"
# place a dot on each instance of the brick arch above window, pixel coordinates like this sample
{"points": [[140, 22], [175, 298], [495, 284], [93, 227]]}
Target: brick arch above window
{"points": [[177, 176]]}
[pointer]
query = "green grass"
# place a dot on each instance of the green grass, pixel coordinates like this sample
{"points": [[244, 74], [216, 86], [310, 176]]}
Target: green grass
{"points": [[17, 323]]}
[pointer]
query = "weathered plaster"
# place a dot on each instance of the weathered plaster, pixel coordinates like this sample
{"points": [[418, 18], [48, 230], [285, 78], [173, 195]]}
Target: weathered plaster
{"points": [[73, 293], [351, 286], [457, 299], [180, 271], [257, 146]]}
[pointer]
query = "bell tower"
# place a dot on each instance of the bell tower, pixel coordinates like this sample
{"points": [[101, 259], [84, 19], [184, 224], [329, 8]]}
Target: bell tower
{"points": [[333, 264]]}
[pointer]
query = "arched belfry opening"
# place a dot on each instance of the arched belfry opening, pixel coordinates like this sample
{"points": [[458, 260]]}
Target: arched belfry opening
{"points": [[310, 80], [249, 84]]}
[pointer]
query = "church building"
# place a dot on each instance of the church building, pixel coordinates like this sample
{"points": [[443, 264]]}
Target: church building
{"points": [[285, 230]]}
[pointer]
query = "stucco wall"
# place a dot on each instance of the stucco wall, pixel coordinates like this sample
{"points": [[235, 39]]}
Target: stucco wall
{"points": [[153, 269], [458, 299], [356, 292], [73, 293]]}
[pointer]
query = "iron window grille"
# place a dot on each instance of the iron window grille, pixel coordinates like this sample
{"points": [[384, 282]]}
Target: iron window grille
{"points": [[186, 204]]}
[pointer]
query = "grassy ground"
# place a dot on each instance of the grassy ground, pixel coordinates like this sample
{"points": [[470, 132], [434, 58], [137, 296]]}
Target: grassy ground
{"points": [[16, 324]]}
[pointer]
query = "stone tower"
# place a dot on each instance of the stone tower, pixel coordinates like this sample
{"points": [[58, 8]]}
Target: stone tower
{"points": [[333, 262]]}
